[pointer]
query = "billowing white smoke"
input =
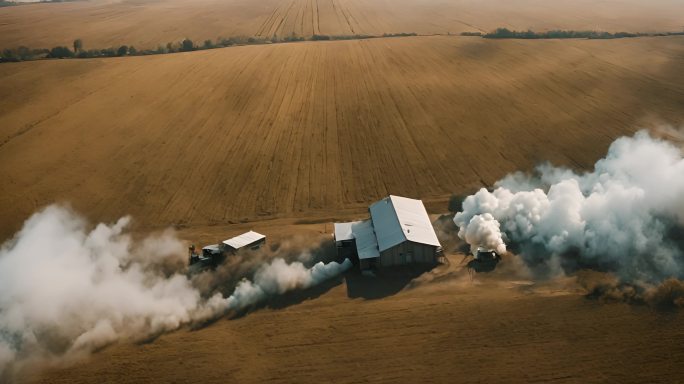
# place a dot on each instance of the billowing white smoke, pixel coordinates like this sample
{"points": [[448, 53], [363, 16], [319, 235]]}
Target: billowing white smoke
{"points": [[278, 277], [66, 290], [624, 215], [483, 231]]}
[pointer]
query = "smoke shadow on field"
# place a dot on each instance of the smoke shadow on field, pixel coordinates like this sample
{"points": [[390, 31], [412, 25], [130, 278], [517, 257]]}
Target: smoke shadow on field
{"points": [[290, 298], [386, 283]]}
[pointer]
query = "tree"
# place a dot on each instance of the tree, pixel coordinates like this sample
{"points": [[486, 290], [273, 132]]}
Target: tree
{"points": [[8, 55], [187, 45], [24, 53], [60, 52], [208, 44], [122, 51], [132, 51], [78, 45]]}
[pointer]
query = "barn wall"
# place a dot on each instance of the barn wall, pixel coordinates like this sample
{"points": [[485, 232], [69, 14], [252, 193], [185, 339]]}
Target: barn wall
{"points": [[407, 253]]}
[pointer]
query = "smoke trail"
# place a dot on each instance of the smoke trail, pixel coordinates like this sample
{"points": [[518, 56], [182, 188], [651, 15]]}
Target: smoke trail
{"points": [[67, 289], [279, 277], [625, 216]]}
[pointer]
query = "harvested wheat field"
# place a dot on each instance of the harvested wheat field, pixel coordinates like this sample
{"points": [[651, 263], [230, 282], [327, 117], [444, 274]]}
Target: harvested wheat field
{"points": [[316, 129], [147, 24], [587, 262]]}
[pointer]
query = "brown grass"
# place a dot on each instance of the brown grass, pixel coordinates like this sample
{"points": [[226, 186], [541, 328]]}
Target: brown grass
{"points": [[313, 129], [148, 23]]}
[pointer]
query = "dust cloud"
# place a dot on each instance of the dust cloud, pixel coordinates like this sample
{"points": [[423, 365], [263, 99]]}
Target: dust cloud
{"points": [[68, 288]]}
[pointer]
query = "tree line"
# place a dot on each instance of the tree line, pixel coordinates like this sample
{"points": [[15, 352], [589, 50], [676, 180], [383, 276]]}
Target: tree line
{"points": [[77, 49], [505, 33], [5, 3]]}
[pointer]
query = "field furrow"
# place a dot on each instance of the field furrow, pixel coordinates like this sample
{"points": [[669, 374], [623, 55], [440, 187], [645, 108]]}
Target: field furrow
{"points": [[150, 23], [319, 128]]}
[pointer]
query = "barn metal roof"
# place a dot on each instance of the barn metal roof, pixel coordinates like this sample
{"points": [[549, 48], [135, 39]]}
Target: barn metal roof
{"points": [[343, 231], [366, 244], [397, 219], [243, 240]]}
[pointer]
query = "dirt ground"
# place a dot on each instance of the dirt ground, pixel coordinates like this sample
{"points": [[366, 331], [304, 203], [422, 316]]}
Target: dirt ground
{"points": [[436, 327], [149, 23], [405, 326], [318, 129]]}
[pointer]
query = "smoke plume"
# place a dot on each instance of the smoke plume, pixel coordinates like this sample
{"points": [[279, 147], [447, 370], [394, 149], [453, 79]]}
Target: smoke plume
{"points": [[626, 216], [67, 289], [279, 277]]}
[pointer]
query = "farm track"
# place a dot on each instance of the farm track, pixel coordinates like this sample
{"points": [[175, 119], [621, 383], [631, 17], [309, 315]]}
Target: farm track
{"points": [[313, 129], [148, 24]]}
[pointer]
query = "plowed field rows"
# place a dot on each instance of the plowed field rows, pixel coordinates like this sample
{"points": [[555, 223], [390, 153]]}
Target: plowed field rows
{"points": [[313, 129], [149, 23]]}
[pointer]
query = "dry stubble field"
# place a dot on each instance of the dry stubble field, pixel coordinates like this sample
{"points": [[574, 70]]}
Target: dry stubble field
{"points": [[276, 136], [149, 23], [314, 129]]}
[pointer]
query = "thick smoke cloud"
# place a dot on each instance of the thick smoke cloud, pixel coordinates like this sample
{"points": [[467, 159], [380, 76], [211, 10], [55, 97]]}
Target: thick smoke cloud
{"points": [[279, 277], [67, 289], [625, 216], [483, 231]]}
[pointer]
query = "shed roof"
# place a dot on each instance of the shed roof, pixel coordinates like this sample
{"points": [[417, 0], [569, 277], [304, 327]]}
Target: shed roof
{"points": [[243, 240], [343, 231], [397, 219], [366, 244]]}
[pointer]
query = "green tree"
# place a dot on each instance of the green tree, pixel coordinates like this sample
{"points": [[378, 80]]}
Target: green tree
{"points": [[122, 51], [60, 52], [187, 45], [24, 53], [78, 45]]}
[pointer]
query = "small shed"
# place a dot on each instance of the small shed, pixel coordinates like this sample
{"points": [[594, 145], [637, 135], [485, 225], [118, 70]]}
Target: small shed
{"points": [[251, 240], [366, 244]]}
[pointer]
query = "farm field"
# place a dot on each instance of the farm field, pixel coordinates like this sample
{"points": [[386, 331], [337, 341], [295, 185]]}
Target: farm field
{"points": [[146, 24], [286, 139], [316, 130], [441, 326]]}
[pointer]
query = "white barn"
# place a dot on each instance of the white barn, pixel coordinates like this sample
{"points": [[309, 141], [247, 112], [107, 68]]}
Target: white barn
{"points": [[398, 232]]}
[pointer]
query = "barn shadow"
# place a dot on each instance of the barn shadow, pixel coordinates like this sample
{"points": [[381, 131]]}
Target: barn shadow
{"points": [[385, 283]]}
